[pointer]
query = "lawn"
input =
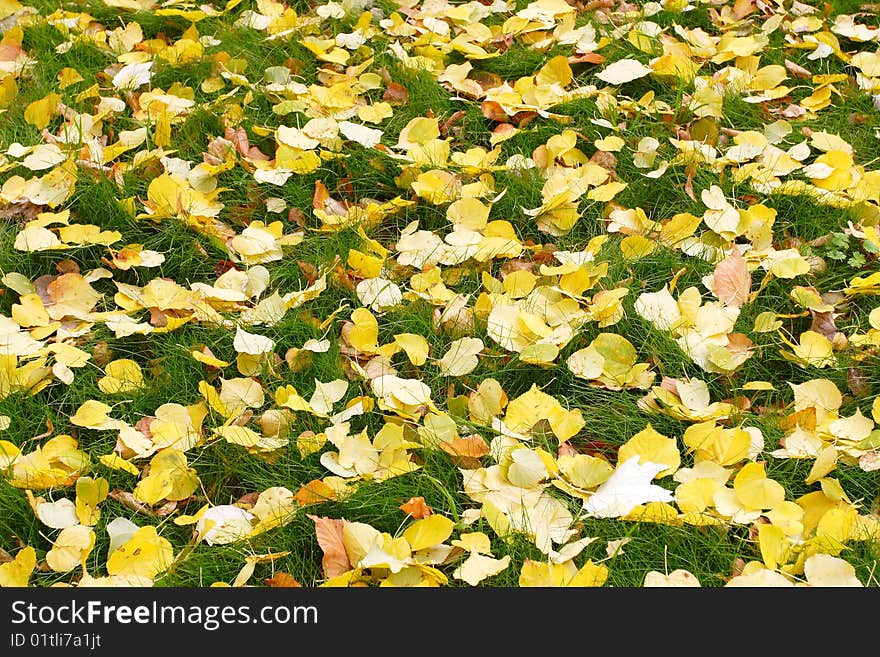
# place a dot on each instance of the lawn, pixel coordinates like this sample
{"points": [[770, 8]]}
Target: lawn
{"points": [[430, 293]]}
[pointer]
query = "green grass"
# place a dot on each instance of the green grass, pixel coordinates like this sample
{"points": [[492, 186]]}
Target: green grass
{"points": [[353, 174]]}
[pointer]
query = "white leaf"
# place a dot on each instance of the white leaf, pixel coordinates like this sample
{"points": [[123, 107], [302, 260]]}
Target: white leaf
{"points": [[624, 70], [366, 137], [379, 293], [224, 524], [44, 156], [132, 76], [677, 578], [316, 346], [251, 343], [327, 394], [58, 515], [478, 567], [659, 308], [827, 570], [461, 358], [628, 487]]}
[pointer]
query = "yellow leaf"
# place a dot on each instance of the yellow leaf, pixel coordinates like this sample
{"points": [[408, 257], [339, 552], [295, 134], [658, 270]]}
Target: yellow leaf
{"points": [[71, 549], [652, 446], [309, 443], [91, 414], [366, 266], [677, 578], [758, 385], [116, 463], [40, 112], [365, 332], [428, 532], [584, 471], [612, 144], [145, 554], [546, 574], [827, 570], [766, 322], [17, 573], [478, 567], [696, 495], [825, 462], [121, 375], [415, 346], [539, 353], [519, 283], [169, 478], [89, 494], [634, 247], [419, 130], [606, 192], [754, 490], [237, 435], [774, 546], [814, 350], [623, 70], [437, 186], [68, 76], [208, 359], [57, 463]]}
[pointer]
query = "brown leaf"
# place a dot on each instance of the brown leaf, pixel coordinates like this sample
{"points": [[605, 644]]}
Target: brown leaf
{"points": [[565, 449], [67, 266], [417, 508], [689, 184], [282, 580], [395, 94], [448, 124], [309, 271], [329, 534], [797, 70], [732, 280], [50, 429], [321, 195], [493, 111], [171, 506], [857, 382], [605, 160], [239, 138], [504, 130], [248, 499], [525, 117], [823, 323], [127, 499]]}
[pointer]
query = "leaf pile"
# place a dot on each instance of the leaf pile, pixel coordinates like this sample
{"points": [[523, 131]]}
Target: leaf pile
{"points": [[430, 293]]}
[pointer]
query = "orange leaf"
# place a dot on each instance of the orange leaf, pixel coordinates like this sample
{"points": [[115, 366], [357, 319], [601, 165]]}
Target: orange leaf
{"points": [[417, 508], [321, 195], [493, 111], [587, 58], [314, 492], [732, 280], [472, 446], [329, 534], [282, 580]]}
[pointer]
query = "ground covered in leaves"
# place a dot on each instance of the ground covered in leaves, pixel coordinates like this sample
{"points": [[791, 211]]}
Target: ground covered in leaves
{"points": [[430, 293]]}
